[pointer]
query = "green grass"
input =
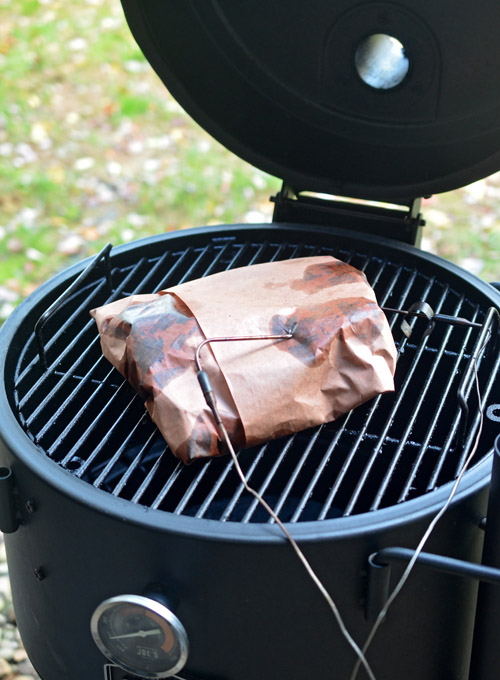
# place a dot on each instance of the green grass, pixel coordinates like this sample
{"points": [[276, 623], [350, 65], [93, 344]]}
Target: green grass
{"points": [[134, 106], [94, 149]]}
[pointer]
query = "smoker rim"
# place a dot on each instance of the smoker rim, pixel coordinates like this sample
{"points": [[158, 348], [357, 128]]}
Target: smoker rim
{"points": [[13, 437]]}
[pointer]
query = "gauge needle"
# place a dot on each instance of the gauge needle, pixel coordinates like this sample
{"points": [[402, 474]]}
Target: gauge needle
{"points": [[139, 633]]}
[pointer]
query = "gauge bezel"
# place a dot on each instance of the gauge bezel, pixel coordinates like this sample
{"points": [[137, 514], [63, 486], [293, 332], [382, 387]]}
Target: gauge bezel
{"points": [[151, 605]]}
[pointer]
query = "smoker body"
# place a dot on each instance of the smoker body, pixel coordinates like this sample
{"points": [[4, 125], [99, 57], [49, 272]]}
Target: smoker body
{"points": [[244, 599], [248, 606], [94, 503]]}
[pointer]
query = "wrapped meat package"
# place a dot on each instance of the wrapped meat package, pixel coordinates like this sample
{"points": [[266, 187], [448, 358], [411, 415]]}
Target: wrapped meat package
{"points": [[341, 352]]}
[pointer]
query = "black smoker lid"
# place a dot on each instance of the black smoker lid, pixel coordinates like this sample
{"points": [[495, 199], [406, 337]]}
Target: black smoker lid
{"points": [[277, 83]]}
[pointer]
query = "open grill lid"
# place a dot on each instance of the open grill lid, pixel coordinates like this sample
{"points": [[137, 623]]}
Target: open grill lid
{"points": [[311, 94]]}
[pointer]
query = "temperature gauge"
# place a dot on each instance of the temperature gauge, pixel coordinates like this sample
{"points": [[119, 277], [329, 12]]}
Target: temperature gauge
{"points": [[141, 635]]}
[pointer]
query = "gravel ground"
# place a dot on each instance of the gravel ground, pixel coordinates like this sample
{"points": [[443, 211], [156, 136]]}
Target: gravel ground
{"points": [[14, 663]]}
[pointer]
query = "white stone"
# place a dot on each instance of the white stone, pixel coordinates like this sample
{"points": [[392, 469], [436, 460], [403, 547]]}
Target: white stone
{"points": [[77, 44], [110, 23], [136, 66], [84, 163], [71, 244], [137, 220], [114, 168]]}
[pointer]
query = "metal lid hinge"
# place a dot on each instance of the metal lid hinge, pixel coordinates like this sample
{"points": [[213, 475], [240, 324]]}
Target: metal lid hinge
{"points": [[400, 220]]}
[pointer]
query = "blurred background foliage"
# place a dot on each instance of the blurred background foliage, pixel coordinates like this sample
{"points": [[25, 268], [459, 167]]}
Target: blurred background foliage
{"points": [[93, 149]]}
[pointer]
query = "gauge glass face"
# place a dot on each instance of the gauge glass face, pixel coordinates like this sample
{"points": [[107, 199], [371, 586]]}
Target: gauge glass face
{"points": [[141, 635]]}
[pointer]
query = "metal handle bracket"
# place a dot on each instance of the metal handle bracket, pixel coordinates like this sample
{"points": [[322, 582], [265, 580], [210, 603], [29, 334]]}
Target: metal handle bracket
{"points": [[380, 572], [103, 255]]}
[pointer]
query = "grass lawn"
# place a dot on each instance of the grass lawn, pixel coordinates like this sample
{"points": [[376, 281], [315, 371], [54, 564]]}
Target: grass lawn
{"points": [[93, 149]]}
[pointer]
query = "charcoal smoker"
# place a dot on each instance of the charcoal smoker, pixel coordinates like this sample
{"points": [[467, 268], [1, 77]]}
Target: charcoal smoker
{"points": [[124, 563]]}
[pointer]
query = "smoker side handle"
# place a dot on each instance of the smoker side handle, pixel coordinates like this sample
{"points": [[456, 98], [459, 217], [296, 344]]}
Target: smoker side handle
{"points": [[380, 571], [9, 515]]}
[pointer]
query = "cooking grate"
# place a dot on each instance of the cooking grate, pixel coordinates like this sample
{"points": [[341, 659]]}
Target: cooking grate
{"points": [[82, 415]]}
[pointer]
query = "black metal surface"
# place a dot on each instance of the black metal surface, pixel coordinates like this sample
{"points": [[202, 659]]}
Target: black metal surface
{"points": [[379, 590], [277, 84], [83, 416], [112, 672], [486, 652], [236, 597], [104, 509], [77, 283], [480, 572], [9, 515], [102, 506], [403, 222]]}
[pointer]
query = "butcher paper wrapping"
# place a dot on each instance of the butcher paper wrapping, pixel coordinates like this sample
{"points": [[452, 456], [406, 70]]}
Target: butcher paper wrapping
{"points": [[341, 354]]}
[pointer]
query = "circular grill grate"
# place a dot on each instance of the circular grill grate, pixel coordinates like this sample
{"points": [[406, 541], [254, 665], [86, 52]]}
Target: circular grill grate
{"points": [[82, 414]]}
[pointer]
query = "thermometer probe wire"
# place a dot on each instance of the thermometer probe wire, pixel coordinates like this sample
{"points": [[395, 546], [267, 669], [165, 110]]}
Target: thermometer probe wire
{"points": [[212, 403]]}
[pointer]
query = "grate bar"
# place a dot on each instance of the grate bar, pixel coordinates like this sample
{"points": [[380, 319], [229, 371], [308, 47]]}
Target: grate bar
{"points": [[294, 476], [401, 394], [171, 269], [264, 485], [418, 403], [477, 418], [124, 479], [380, 269], [84, 306], [83, 356], [193, 486], [340, 432], [214, 261], [459, 416], [78, 413], [90, 429], [366, 263], [319, 471], [119, 452], [79, 378], [435, 417], [347, 256], [214, 490], [191, 270], [150, 477], [240, 488], [369, 416], [167, 486], [82, 309], [101, 384], [180, 507], [255, 258], [66, 325]]}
